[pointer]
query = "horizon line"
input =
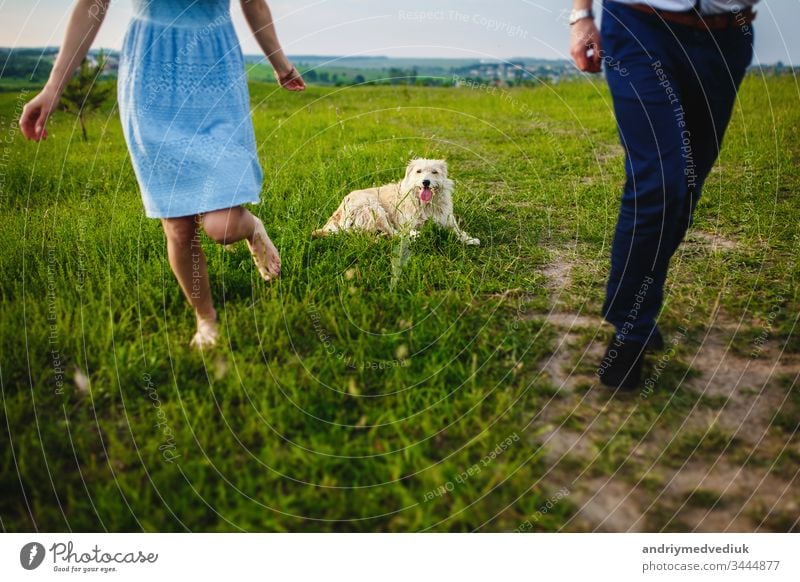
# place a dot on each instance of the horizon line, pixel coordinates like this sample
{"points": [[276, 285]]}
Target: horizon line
{"points": [[376, 57], [325, 56]]}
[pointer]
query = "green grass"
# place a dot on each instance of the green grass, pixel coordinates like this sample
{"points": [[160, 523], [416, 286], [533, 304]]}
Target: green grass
{"points": [[704, 499], [346, 391]]}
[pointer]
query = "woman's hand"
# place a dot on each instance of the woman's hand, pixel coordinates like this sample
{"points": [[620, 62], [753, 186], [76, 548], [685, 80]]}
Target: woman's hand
{"points": [[291, 79], [35, 114], [84, 22]]}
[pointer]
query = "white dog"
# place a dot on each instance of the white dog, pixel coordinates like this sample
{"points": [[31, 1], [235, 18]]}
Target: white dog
{"points": [[424, 194]]}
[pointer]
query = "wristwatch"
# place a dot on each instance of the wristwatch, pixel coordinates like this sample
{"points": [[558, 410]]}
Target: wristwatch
{"points": [[577, 15]]}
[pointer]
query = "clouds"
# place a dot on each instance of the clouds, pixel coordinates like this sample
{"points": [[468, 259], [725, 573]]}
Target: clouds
{"points": [[447, 28]]}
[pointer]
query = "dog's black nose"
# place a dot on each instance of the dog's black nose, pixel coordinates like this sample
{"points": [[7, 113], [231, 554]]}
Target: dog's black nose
{"points": [[426, 183]]}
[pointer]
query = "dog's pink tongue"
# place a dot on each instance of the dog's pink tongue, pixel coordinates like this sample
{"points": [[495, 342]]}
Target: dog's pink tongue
{"points": [[426, 195]]}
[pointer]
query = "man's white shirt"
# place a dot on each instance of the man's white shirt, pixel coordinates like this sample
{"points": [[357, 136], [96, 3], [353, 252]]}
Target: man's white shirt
{"points": [[705, 6]]}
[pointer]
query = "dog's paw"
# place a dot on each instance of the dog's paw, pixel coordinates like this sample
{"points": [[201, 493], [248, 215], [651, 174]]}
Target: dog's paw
{"points": [[472, 241]]}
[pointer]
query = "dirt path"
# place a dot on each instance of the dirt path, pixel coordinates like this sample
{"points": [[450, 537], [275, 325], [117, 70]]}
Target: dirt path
{"points": [[713, 446]]}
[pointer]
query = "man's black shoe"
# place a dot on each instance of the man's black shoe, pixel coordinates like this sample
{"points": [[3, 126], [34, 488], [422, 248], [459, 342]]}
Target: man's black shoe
{"points": [[655, 343], [621, 366]]}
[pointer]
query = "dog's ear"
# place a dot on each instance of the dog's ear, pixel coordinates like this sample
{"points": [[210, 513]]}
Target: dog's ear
{"points": [[411, 165], [442, 167]]}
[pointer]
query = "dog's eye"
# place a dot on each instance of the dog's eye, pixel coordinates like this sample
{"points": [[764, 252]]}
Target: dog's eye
{"points": [[436, 171], [419, 171]]}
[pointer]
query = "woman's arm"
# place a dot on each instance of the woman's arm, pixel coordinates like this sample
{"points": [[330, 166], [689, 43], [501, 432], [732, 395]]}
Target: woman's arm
{"points": [[259, 18], [84, 22]]}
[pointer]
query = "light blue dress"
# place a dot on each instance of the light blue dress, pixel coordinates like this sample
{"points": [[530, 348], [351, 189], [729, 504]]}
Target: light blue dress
{"points": [[185, 108]]}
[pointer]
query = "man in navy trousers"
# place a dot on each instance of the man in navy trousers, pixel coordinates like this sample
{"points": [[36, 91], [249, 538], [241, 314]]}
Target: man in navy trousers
{"points": [[674, 68]]}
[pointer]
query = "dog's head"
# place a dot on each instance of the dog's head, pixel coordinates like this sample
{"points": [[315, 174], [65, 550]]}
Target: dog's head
{"points": [[426, 179]]}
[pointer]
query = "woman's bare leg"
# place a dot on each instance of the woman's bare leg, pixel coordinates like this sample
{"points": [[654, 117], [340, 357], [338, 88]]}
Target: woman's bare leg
{"points": [[235, 224], [188, 262]]}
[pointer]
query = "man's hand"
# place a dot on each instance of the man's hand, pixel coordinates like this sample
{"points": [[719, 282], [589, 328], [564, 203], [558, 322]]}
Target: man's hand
{"points": [[585, 46]]}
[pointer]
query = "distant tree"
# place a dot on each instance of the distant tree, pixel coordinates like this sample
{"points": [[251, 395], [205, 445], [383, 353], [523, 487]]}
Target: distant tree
{"points": [[359, 80], [84, 94], [310, 76], [397, 76], [19, 64]]}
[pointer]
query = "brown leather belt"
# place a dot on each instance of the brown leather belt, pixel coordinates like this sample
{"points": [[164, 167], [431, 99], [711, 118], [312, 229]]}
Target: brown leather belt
{"points": [[693, 19]]}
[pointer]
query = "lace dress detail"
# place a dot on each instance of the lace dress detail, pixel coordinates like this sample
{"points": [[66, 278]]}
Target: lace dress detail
{"points": [[185, 108]]}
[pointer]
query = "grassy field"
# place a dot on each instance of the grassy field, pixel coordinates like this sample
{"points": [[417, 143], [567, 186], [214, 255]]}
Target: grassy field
{"points": [[381, 386]]}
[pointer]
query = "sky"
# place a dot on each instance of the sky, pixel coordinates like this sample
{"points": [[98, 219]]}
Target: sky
{"points": [[492, 29]]}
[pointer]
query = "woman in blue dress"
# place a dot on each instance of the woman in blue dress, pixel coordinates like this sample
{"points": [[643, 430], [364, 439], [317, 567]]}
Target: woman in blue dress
{"points": [[185, 114]]}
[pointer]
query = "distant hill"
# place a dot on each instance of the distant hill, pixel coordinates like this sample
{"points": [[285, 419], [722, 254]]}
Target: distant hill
{"points": [[344, 70], [31, 67], [31, 64]]}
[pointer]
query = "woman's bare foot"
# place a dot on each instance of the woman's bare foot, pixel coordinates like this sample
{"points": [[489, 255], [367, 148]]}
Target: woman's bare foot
{"points": [[207, 333], [265, 255]]}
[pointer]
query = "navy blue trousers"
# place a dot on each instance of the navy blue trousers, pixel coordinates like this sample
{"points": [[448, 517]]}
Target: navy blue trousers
{"points": [[673, 89]]}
